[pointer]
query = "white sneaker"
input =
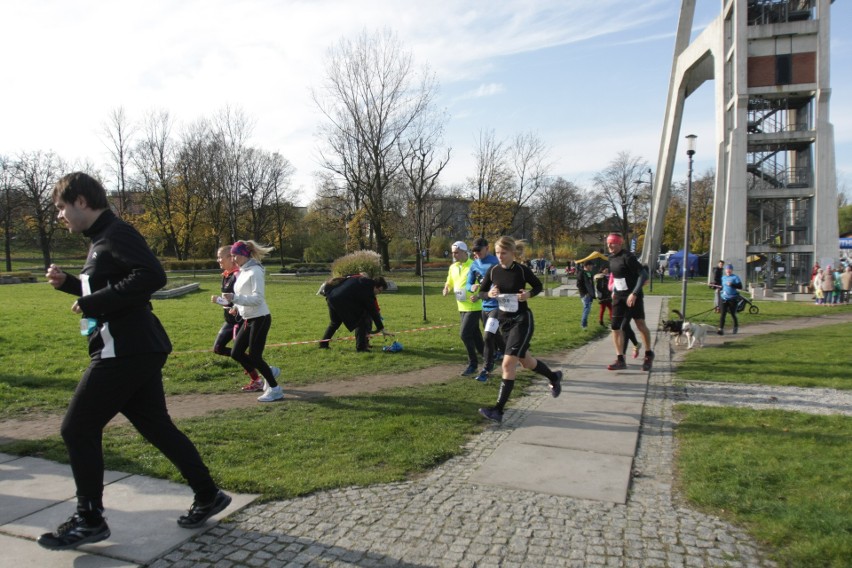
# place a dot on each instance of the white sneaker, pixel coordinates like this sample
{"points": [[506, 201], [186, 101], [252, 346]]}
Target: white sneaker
{"points": [[276, 372], [271, 395]]}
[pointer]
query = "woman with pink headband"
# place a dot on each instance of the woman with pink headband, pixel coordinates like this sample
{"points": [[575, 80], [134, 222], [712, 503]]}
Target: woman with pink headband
{"points": [[248, 296]]}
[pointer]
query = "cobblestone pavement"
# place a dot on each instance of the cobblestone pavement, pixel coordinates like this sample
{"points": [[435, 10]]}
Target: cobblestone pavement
{"points": [[444, 520]]}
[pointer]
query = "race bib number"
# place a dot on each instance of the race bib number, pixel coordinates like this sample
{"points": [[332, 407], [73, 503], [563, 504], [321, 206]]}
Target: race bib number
{"points": [[508, 302], [620, 284], [491, 325], [460, 294]]}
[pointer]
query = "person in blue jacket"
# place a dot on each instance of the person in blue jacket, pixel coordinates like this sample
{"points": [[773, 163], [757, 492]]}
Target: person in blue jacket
{"points": [[494, 344], [730, 297]]}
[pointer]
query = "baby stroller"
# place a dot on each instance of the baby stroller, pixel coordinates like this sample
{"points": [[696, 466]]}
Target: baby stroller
{"points": [[743, 302]]}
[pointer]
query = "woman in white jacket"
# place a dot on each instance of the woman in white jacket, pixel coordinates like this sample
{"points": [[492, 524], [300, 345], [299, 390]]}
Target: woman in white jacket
{"points": [[249, 298]]}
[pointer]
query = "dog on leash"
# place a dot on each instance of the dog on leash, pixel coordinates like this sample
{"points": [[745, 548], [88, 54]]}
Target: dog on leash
{"points": [[674, 327], [695, 333]]}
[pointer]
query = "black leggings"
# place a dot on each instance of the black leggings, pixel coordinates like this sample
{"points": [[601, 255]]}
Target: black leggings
{"points": [[132, 386], [252, 338], [226, 334], [729, 306], [492, 343]]}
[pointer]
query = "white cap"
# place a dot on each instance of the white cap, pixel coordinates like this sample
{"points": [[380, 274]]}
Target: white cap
{"points": [[460, 246]]}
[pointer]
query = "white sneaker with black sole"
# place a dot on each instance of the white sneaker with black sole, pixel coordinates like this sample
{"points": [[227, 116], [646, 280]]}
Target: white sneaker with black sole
{"points": [[271, 395]]}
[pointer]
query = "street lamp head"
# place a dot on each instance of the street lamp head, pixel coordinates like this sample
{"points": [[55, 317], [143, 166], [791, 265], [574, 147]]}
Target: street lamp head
{"points": [[690, 144]]}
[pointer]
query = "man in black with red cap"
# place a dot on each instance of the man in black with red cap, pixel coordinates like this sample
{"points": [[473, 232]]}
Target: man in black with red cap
{"points": [[628, 277]]}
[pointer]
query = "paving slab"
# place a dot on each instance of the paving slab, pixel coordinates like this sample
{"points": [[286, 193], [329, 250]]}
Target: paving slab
{"points": [[22, 553], [557, 471], [29, 485], [577, 433], [141, 512]]}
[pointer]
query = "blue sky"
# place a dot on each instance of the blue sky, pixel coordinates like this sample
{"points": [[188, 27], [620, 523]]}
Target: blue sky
{"points": [[590, 78]]}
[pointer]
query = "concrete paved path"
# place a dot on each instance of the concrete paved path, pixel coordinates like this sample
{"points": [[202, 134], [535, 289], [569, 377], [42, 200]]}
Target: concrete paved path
{"points": [[36, 495]]}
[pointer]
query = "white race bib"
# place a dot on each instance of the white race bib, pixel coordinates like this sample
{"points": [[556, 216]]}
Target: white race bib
{"points": [[491, 325], [620, 284], [508, 302], [460, 294]]}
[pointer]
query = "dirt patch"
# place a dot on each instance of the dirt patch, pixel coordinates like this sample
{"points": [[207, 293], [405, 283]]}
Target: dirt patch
{"points": [[190, 405]]}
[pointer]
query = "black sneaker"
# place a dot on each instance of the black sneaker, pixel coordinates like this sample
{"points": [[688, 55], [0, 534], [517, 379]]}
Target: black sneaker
{"points": [[492, 414], [199, 513], [616, 365], [648, 362], [556, 386], [74, 532]]}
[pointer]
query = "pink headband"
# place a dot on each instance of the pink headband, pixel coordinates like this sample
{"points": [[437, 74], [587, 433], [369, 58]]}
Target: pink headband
{"points": [[614, 239], [240, 249]]}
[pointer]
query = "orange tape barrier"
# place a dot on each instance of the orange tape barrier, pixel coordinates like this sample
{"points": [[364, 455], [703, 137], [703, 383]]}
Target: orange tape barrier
{"points": [[308, 342]]}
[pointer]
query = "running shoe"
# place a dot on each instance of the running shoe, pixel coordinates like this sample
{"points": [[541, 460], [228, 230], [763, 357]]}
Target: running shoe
{"points": [[491, 414], [556, 386], [271, 395], [618, 364], [198, 513], [471, 369], [74, 532], [482, 376], [648, 361], [256, 385], [636, 349]]}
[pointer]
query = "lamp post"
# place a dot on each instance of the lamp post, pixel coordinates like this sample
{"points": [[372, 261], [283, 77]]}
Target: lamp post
{"points": [[690, 152], [652, 264]]}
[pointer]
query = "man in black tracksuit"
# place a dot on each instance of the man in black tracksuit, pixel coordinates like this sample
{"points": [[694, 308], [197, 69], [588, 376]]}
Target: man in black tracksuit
{"points": [[128, 348], [353, 303]]}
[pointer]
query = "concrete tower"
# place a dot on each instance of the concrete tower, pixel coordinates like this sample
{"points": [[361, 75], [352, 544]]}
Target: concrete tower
{"points": [[775, 206]]}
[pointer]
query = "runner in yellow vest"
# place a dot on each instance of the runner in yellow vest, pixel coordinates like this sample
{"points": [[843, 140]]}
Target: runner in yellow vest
{"points": [[470, 312]]}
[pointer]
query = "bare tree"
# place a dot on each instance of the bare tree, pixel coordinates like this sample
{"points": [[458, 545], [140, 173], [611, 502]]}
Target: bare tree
{"points": [[232, 129], [370, 98], [266, 182], [617, 188], [155, 159], [327, 222], [492, 208], [9, 205], [35, 174], [194, 172], [421, 169], [562, 209], [119, 132], [528, 156]]}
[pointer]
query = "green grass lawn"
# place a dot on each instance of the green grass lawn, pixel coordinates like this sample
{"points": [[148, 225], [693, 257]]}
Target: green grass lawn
{"points": [[816, 357], [785, 476], [44, 353]]}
